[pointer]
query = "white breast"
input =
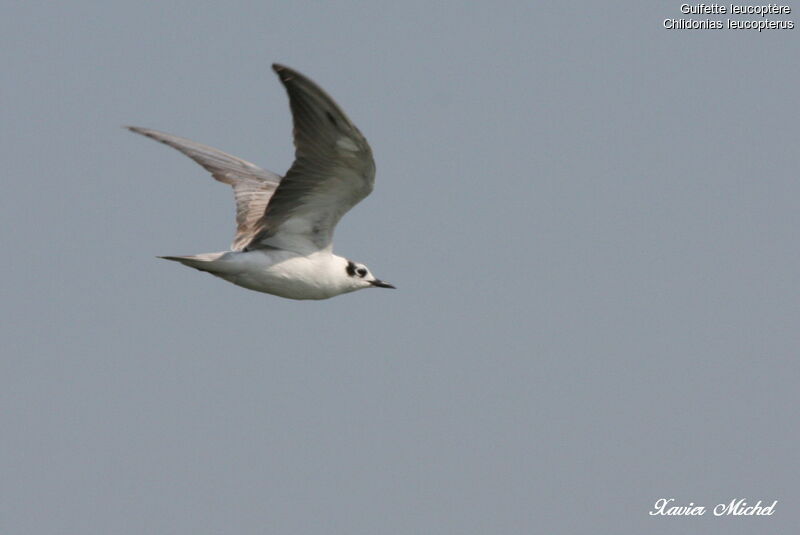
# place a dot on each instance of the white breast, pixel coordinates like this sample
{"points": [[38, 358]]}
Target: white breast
{"points": [[287, 274]]}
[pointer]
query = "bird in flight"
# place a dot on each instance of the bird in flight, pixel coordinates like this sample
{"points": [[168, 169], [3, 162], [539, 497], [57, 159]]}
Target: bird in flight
{"points": [[284, 237]]}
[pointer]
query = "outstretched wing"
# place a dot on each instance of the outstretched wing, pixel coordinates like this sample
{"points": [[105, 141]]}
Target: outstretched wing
{"points": [[333, 170], [252, 186]]}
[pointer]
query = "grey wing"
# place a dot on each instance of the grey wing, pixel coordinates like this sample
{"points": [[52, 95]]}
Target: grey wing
{"points": [[252, 186], [333, 170]]}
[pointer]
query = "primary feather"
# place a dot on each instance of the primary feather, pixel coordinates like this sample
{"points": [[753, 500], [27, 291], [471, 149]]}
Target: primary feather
{"points": [[252, 186], [333, 170]]}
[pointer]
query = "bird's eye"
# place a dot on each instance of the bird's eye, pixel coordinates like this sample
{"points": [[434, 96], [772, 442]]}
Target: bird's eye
{"points": [[361, 272]]}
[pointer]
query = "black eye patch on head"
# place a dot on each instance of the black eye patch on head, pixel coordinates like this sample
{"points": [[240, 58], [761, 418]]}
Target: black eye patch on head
{"points": [[351, 268]]}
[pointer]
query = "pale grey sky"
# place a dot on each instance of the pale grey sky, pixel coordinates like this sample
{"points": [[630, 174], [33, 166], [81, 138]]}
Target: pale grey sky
{"points": [[591, 221]]}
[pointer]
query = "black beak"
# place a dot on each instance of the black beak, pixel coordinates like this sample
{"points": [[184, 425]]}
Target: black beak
{"points": [[381, 284]]}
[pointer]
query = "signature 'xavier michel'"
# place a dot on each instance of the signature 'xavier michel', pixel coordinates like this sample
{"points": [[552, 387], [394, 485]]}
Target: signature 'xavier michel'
{"points": [[284, 240]]}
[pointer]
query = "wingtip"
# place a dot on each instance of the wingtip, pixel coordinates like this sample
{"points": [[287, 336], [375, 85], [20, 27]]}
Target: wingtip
{"points": [[284, 73]]}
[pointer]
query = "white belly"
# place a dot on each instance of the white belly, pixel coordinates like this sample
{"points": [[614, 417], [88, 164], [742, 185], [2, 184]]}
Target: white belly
{"points": [[280, 273]]}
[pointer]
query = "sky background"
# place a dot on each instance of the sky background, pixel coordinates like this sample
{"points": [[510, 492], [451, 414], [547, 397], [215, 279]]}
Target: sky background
{"points": [[591, 221]]}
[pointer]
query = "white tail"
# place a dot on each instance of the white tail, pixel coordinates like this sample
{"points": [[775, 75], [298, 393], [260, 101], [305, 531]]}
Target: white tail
{"points": [[203, 262]]}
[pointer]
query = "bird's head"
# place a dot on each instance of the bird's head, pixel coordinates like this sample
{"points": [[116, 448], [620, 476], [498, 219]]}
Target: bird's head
{"points": [[359, 277]]}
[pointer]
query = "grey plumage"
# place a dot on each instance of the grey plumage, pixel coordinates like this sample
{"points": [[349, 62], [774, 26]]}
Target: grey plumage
{"points": [[252, 186], [333, 170]]}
